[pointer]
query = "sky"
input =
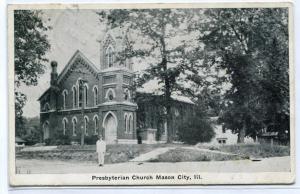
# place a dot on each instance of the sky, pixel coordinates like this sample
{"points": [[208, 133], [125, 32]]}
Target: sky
{"points": [[74, 29], [71, 30]]}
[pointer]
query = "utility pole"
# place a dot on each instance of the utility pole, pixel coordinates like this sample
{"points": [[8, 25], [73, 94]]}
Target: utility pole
{"points": [[81, 89]]}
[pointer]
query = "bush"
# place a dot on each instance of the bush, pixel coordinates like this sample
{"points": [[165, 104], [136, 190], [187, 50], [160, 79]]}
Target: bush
{"points": [[48, 141], [91, 140], [63, 140], [195, 130]]}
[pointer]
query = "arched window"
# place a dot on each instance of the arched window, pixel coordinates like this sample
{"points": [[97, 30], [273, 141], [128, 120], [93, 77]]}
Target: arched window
{"points": [[74, 122], [110, 94], [64, 94], [130, 124], [109, 56], [65, 122], [86, 121], [85, 91], [126, 123], [46, 107], [127, 94], [75, 96], [96, 124], [95, 90]]}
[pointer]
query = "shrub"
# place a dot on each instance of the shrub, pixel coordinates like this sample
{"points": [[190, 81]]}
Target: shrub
{"points": [[48, 141], [195, 130], [91, 140], [63, 140]]}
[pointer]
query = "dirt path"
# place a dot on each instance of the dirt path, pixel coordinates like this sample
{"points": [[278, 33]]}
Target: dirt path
{"points": [[156, 152], [274, 164], [152, 154]]}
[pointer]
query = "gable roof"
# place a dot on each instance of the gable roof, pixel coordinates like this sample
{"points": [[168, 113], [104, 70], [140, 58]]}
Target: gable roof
{"points": [[43, 94], [77, 54]]}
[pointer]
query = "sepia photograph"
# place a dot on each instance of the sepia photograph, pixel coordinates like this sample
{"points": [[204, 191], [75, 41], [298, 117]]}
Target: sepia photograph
{"points": [[151, 94]]}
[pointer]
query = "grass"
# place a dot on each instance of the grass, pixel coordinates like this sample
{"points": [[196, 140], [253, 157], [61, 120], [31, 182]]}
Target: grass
{"points": [[187, 155], [114, 153], [254, 150], [122, 153]]}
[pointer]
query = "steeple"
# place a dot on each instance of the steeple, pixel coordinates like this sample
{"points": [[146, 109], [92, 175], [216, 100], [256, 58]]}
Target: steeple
{"points": [[112, 50]]}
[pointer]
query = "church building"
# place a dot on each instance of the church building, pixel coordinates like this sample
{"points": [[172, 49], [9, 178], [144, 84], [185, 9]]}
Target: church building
{"points": [[86, 100]]}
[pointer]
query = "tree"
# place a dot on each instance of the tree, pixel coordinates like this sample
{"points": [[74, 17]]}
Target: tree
{"points": [[196, 129], [251, 45], [31, 45], [156, 32]]}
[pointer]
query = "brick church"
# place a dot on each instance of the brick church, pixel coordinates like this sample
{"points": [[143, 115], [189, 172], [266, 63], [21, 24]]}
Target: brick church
{"points": [[86, 100]]}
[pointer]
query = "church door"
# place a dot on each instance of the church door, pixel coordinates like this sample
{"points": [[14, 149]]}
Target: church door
{"points": [[110, 126], [46, 130]]}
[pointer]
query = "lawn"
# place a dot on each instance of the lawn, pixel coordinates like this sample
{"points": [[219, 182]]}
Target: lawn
{"points": [[253, 150], [114, 153], [118, 153], [188, 155]]}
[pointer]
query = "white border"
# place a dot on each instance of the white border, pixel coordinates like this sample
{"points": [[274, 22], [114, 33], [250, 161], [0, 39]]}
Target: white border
{"points": [[3, 103]]}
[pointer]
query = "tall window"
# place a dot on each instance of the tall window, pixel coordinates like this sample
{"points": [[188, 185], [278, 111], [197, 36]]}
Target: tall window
{"points": [[96, 123], [75, 94], [86, 121], [130, 123], [65, 121], [95, 96], [85, 90], [65, 93], [127, 94], [126, 123], [109, 56], [80, 96], [74, 122]]}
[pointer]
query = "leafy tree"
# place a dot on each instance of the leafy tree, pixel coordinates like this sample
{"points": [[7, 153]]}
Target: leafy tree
{"points": [[196, 129], [251, 46], [156, 32], [31, 45]]}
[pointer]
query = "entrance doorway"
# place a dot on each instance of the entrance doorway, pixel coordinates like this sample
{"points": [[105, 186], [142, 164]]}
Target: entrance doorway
{"points": [[110, 126], [46, 130]]}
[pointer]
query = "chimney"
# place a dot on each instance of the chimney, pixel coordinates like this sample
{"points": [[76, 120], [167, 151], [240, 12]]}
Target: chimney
{"points": [[54, 74]]}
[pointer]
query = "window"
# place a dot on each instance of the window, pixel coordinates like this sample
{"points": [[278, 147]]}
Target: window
{"points": [[86, 121], [74, 122], [85, 89], [222, 141], [127, 94], [74, 90], [80, 96], [126, 123], [130, 124], [95, 90], [46, 107], [110, 94], [65, 93], [176, 111], [109, 56], [96, 124], [65, 122]]}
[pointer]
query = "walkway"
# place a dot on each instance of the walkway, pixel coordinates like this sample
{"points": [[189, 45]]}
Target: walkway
{"points": [[151, 155], [155, 153]]}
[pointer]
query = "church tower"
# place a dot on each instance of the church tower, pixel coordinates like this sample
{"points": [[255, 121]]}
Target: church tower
{"points": [[117, 107]]}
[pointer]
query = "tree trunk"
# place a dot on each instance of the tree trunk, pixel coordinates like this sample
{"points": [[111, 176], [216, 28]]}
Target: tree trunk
{"points": [[241, 134]]}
